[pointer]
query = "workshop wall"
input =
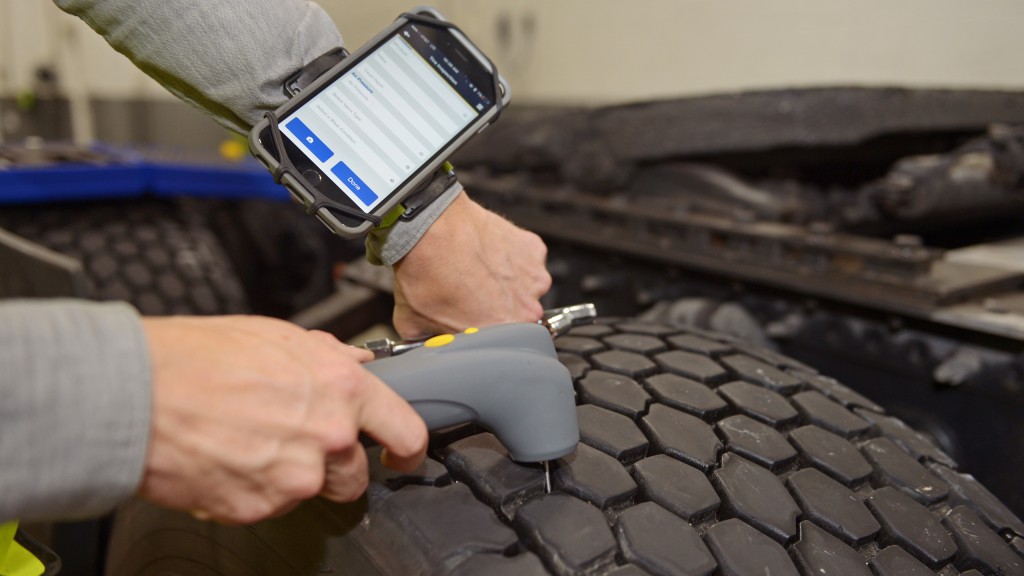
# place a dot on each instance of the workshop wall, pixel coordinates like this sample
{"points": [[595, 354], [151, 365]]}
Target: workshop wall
{"points": [[599, 52]]}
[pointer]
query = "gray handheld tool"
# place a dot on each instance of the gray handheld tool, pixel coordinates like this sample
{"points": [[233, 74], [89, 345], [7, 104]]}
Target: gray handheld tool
{"points": [[507, 378]]}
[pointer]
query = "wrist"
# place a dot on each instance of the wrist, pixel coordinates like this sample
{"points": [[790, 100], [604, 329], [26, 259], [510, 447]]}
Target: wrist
{"points": [[386, 246]]}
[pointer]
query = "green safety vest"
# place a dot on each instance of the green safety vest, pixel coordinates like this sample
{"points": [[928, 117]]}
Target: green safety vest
{"points": [[14, 559]]}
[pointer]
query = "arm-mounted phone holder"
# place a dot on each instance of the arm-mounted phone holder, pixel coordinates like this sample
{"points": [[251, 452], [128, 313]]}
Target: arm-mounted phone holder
{"points": [[414, 203]]}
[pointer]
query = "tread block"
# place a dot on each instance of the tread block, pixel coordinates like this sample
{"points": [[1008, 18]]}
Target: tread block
{"points": [[639, 343], [696, 344], [591, 330], [818, 552], [626, 363], [662, 543], [693, 366], [906, 437], [831, 454], [594, 476], [611, 433], [911, 525], [681, 436], [896, 468], [744, 551], [648, 328], [578, 367], [757, 372], [895, 561], [773, 358], [837, 391], [685, 394], [756, 441], [522, 564], [578, 345], [429, 473], [569, 535], [978, 547], [1018, 545], [759, 403], [627, 570], [832, 506], [615, 392], [714, 336], [450, 521], [756, 496], [677, 487], [483, 463], [966, 490], [822, 412]]}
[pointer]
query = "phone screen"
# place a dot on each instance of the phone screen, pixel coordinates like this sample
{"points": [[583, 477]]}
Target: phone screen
{"points": [[374, 127]]}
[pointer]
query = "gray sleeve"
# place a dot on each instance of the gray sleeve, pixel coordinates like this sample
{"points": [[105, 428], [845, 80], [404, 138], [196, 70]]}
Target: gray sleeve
{"points": [[75, 402], [229, 58], [386, 246]]}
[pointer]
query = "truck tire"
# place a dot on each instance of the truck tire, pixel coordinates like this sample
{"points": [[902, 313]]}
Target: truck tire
{"points": [[147, 253], [699, 455]]}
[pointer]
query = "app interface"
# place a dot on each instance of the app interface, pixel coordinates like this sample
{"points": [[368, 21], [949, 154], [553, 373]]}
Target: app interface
{"points": [[387, 116]]}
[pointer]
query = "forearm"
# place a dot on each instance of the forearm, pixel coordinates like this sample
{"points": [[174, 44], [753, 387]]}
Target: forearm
{"points": [[74, 407], [229, 57]]}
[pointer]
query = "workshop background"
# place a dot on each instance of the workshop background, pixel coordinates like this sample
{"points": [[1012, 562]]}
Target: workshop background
{"points": [[564, 52], [871, 234]]}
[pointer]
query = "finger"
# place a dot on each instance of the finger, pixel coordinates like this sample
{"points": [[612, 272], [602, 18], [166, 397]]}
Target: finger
{"points": [[543, 283], [388, 419], [347, 475], [359, 354], [534, 311], [356, 353]]}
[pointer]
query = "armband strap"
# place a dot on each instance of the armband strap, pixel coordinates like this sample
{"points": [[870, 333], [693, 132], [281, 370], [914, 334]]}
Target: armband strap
{"points": [[413, 205], [391, 217], [297, 82], [442, 180]]}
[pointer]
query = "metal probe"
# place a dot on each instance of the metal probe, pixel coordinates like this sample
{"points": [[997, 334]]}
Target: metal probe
{"points": [[558, 321]]}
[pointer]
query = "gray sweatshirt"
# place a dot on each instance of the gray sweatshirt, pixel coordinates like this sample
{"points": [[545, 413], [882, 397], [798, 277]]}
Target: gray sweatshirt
{"points": [[74, 407], [231, 58], [75, 388]]}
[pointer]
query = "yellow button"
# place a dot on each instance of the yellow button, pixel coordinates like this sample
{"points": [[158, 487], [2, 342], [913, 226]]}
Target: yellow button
{"points": [[473, 330], [438, 341]]}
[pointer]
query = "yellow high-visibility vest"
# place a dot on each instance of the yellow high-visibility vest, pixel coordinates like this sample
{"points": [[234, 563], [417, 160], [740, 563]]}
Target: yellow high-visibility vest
{"points": [[14, 559]]}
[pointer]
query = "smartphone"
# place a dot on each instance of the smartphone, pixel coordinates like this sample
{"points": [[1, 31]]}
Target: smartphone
{"points": [[372, 129]]}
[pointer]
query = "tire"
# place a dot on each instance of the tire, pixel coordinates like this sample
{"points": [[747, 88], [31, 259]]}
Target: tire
{"points": [[699, 455], [148, 253]]}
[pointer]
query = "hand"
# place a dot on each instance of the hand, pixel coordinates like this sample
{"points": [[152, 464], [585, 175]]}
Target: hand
{"points": [[471, 268], [253, 415]]}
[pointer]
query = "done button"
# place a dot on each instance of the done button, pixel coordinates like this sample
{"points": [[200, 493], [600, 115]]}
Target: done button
{"points": [[353, 183]]}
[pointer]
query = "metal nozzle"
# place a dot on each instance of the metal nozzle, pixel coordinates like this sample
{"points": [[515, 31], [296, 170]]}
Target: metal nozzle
{"points": [[385, 347], [558, 321]]}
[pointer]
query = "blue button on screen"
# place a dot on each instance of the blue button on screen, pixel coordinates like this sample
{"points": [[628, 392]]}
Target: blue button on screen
{"points": [[358, 187], [314, 144]]}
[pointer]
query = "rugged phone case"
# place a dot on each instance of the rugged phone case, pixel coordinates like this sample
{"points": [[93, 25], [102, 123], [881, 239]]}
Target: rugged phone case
{"points": [[305, 197]]}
